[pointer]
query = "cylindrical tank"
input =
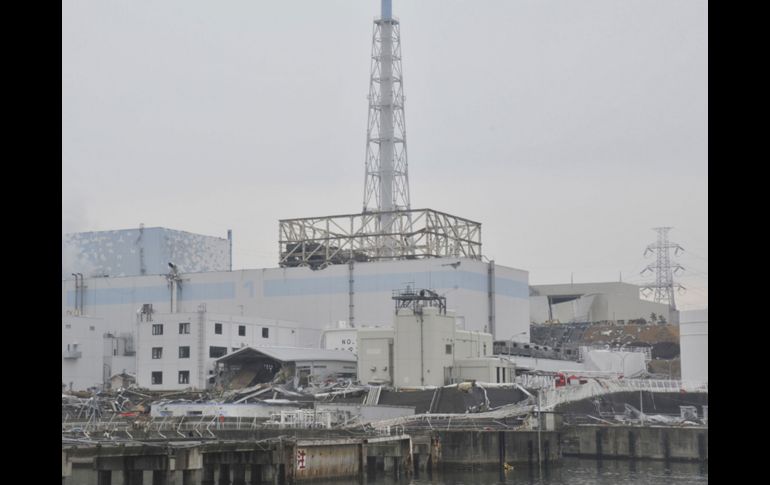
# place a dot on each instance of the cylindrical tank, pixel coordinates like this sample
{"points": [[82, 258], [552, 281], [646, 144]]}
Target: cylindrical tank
{"points": [[693, 343]]}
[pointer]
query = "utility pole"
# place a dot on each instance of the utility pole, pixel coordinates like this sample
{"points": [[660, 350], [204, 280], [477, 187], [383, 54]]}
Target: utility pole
{"points": [[664, 269]]}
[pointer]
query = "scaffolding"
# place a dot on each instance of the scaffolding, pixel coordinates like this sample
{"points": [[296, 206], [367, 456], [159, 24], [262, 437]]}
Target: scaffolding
{"points": [[317, 242]]}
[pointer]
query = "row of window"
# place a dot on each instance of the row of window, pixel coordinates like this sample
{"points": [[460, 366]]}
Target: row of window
{"points": [[69, 325], [157, 328], [183, 378], [184, 352], [184, 328]]}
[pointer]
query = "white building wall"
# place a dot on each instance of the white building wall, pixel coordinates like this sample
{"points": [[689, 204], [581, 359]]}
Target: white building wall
{"points": [[279, 333], [694, 345], [485, 370], [420, 348], [469, 344], [511, 303], [374, 363], [317, 299], [82, 336], [340, 339]]}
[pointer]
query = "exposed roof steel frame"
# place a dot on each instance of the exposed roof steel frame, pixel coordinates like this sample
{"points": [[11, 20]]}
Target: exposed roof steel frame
{"points": [[415, 234]]}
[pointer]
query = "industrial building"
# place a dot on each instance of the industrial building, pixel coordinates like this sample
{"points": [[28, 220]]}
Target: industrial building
{"points": [[311, 300], [330, 268], [594, 302], [483, 295], [253, 365], [143, 251], [92, 352], [179, 350], [425, 348]]}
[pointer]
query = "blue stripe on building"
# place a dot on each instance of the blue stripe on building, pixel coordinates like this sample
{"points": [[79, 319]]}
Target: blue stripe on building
{"points": [[463, 280], [155, 294]]}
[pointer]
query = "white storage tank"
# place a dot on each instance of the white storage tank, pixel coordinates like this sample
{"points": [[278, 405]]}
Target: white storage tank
{"points": [[693, 342]]}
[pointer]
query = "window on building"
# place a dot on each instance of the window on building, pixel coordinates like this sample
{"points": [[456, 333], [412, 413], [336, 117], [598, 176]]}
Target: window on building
{"points": [[184, 352], [216, 352], [184, 376], [242, 330], [92, 328], [449, 349], [218, 328], [184, 328], [67, 325], [157, 352], [265, 332], [157, 329], [485, 349], [157, 377]]}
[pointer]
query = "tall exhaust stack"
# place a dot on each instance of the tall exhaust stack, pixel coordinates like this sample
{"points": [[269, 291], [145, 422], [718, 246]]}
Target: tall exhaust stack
{"points": [[386, 187]]}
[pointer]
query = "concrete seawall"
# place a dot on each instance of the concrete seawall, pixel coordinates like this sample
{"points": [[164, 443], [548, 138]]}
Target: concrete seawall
{"points": [[636, 442], [488, 449], [274, 456]]}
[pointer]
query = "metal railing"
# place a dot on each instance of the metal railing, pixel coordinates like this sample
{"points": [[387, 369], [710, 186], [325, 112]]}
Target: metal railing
{"points": [[551, 398]]}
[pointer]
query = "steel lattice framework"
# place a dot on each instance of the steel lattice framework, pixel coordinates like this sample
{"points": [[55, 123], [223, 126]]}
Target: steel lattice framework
{"points": [[386, 182], [416, 234], [664, 268], [386, 185]]}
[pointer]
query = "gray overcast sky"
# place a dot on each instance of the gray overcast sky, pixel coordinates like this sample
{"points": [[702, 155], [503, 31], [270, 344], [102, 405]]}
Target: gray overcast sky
{"points": [[569, 129]]}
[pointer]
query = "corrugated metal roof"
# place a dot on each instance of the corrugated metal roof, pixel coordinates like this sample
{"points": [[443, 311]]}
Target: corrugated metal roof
{"points": [[293, 354]]}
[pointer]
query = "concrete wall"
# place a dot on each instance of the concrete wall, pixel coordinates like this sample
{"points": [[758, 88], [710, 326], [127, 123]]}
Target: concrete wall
{"points": [[469, 344], [484, 370], [317, 299], [423, 348], [374, 359], [660, 443], [83, 340], [490, 448], [340, 339], [130, 252], [693, 343]]}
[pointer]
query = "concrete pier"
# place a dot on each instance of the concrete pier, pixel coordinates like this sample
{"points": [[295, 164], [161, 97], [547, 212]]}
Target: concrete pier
{"points": [[275, 461]]}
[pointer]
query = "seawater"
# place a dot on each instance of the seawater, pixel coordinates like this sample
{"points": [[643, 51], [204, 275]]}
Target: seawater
{"points": [[570, 471]]}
